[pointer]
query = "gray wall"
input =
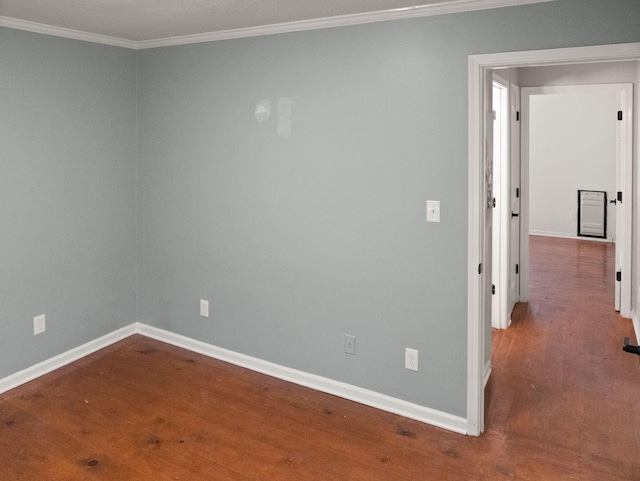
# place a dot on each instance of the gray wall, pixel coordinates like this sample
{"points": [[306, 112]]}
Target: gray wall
{"points": [[67, 194], [297, 241]]}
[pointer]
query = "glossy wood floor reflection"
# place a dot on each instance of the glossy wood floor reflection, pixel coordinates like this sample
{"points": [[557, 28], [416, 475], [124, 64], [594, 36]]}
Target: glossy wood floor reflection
{"points": [[144, 410], [560, 376]]}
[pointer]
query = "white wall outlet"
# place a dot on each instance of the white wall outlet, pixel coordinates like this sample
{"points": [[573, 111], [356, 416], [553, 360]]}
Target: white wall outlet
{"points": [[411, 359], [350, 344], [39, 324], [572, 215], [433, 211], [204, 308]]}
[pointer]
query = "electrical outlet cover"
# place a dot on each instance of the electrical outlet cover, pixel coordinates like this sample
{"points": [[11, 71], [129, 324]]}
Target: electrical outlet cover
{"points": [[411, 359], [350, 344]]}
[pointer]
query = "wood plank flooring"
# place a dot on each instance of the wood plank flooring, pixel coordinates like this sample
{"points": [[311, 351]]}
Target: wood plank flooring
{"points": [[560, 376], [561, 404]]}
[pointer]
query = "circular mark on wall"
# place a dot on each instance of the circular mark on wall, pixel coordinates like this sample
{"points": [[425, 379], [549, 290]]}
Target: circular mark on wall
{"points": [[263, 110]]}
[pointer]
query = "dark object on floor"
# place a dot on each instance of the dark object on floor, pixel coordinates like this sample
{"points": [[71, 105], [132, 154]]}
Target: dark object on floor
{"points": [[629, 348]]}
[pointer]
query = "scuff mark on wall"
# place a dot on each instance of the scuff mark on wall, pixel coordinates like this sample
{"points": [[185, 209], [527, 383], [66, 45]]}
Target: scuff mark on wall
{"points": [[263, 110], [285, 109], [284, 128]]}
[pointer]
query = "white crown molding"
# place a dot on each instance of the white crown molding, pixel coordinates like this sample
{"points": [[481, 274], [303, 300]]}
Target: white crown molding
{"points": [[312, 381], [65, 32], [456, 6]]}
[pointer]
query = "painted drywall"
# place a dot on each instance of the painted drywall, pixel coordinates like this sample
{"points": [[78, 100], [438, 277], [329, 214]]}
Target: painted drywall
{"points": [[298, 241], [582, 74], [575, 74], [572, 146], [310, 224], [67, 194]]}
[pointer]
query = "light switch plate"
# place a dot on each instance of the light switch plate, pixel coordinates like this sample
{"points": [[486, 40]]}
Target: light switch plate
{"points": [[433, 211], [204, 308], [39, 324]]}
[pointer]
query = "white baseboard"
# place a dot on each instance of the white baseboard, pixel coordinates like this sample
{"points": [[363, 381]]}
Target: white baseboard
{"points": [[564, 235], [487, 373], [44, 367], [347, 391], [636, 324]]}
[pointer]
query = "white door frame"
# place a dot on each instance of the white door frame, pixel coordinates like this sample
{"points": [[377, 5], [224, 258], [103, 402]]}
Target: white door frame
{"points": [[476, 291]]}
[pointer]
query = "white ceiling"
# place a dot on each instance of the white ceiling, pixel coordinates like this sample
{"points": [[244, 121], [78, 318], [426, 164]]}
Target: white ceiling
{"points": [[138, 21]]}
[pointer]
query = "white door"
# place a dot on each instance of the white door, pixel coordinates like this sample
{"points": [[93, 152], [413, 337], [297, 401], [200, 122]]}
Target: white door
{"points": [[624, 210], [515, 195], [618, 198], [499, 102], [486, 266]]}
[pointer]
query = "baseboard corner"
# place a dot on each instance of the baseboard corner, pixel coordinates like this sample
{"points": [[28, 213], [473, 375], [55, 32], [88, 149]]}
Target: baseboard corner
{"points": [[351, 392], [24, 376], [373, 399]]}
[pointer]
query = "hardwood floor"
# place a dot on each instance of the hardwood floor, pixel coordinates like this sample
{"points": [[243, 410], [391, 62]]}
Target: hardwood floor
{"points": [[559, 373], [562, 403]]}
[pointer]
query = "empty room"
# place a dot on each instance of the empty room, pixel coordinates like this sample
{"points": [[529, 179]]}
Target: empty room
{"points": [[252, 240]]}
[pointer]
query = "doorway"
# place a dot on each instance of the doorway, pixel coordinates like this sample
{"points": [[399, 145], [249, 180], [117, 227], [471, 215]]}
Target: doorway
{"points": [[479, 291], [578, 133]]}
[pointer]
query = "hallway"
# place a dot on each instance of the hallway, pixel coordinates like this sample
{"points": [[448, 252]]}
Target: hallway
{"points": [[559, 373]]}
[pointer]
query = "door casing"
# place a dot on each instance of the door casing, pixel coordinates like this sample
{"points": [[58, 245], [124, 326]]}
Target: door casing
{"points": [[478, 67]]}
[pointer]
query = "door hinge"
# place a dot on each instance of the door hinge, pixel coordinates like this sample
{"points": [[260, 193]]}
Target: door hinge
{"points": [[480, 268], [517, 192], [517, 268], [518, 116], [619, 114], [619, 276], [619, 196], [494, 202], [493, 289]]}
